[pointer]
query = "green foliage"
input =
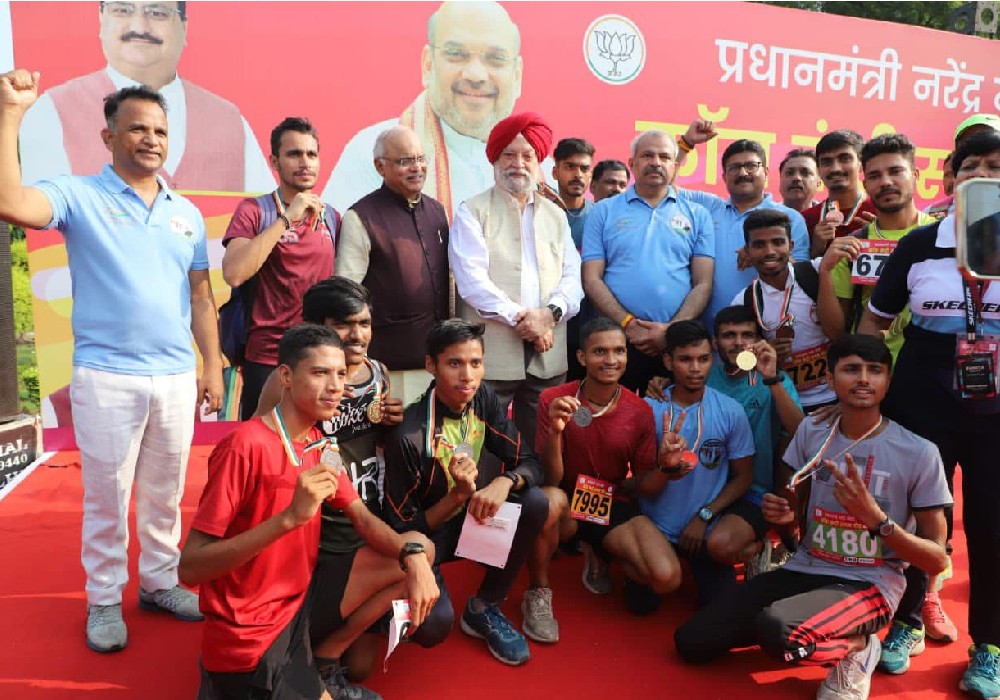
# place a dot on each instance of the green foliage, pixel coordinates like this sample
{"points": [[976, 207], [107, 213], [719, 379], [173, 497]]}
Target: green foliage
{"points": [[23, 321], [27, 378], [934, 15]]}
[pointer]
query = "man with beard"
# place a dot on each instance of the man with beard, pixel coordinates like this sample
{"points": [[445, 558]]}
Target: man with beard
{"points": [[516, 268], [648, 256], [610, 178], [280, 243], [799, 179], [838, 155], [394, 241], [471, 72]]}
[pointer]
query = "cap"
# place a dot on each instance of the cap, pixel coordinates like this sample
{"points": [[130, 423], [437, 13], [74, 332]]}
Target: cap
{"points": [[990, 120]]}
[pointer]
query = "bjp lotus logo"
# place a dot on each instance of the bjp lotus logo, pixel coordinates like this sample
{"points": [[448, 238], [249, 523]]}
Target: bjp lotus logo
{"points": [[614, 49]]}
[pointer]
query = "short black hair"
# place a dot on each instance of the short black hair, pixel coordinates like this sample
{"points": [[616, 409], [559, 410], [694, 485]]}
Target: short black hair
{"points": [[766, 218], [297, 341], [452, 331], [572, 147], [299, 124], [838, 139], [681, 334], [797, 153], [887, 143], [334, 298], [742, 146], [736, 314], [613, 165], [868, 347], [181, 9], [597, 325], [113, 102], [981, 144]]}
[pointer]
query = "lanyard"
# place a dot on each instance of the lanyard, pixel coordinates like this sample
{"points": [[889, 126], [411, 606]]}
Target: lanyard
{"points": [[974, 293], [607, 407], [376, 380], [280, 206], [466, 421], [752, 376], [812, 467], [784, 318], [669, 427], [286, 441]]}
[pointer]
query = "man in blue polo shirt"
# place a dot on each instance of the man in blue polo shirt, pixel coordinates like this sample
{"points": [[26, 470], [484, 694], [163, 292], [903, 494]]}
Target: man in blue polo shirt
{"points": [[647, 256], [138, 260], [744, 165]]}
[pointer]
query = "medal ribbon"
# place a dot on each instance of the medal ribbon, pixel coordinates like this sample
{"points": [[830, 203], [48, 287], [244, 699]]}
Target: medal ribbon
{"points": [[432, 435], [812, 467], [286, 441], [758, 306], [607, 407], [280, 206], [670, 422], [376, 384]]}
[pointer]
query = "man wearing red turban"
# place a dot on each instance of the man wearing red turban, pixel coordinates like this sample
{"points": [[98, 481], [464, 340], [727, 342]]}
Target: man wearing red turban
{"points": [[516, 269]]}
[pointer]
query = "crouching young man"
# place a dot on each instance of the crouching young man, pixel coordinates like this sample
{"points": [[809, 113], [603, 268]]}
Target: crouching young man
{"points": [[866, 479], [255, 536]]}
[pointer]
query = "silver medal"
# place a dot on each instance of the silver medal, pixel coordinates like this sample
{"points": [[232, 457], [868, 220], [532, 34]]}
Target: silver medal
{"points": [[583, 416], [464, 448]]}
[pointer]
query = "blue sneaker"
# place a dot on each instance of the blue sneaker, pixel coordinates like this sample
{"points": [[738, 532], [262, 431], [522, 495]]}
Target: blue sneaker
{"points": [[899, 645], [982, 679], [504, 642]]}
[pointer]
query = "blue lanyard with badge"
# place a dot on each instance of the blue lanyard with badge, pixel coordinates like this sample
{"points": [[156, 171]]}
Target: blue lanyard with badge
{"points": [[976, 354]]}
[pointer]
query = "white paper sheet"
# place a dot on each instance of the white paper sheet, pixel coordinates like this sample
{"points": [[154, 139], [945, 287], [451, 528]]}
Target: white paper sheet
{"points": [[489, 542], [398, 627]]}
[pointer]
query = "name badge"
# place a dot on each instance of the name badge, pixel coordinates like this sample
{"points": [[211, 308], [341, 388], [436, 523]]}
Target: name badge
{"points": [[839, 537], [807, 368], [592, 500], [976, 367], [867, 268]]}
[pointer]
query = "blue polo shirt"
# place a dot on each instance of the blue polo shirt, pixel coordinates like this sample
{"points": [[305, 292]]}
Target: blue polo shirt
{"points": [[727, 281], [129, 265], [647, 252]]}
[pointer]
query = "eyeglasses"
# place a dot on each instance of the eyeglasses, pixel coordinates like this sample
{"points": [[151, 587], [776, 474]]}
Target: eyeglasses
{"points": [[461, 56], [154, 13], [406, 161], [751, 167]]}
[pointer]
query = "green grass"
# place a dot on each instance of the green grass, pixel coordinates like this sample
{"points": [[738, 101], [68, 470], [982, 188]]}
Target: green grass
{"points": [[26, 358]]}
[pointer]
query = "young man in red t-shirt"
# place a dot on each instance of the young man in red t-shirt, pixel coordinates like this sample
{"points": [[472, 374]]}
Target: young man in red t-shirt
{"points": [[254, 540], [592, 436]]}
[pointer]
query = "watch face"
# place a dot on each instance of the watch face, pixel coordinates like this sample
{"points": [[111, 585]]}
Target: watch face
{"points": [[705, 514], [886, 529]]}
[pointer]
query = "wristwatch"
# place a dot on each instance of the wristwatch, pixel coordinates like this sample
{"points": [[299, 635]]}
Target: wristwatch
{"points": [[513, 477], [771, 381], [706, 514], [408, 549], [557, 313], [883, 529]]}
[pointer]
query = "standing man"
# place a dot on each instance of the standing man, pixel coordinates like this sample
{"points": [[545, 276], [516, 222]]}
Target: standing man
{"points": [[648, 256], [280, 243], [838, 155], [471, 72], [394, 241], [610, 178], [516, 268], [213, 147], [799, 179], [141, 289]]}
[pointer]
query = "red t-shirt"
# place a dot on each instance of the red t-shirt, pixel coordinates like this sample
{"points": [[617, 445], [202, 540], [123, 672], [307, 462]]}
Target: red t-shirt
{"points": [[812, 214], [300, 259], [250, 480], [622, 438]]}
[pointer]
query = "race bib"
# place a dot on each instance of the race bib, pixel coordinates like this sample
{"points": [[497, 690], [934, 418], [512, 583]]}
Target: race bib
{"points": [[592, 500], [867, 268], [840, 538], [807, 368], [976, 367]]}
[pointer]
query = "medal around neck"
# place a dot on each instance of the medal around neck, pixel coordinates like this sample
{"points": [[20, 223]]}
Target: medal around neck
{"points": [[583, 416], [746, 360], [330, 457], [374, 411], [785, 331], [464, 448]]}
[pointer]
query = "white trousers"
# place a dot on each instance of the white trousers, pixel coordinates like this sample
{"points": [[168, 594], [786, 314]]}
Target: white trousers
{"points": [[131, 429]]}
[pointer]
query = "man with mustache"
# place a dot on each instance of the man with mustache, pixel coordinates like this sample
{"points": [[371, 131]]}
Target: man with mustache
{"points": [[799, 179], [395, 242], [212, 146], [516, 268], [610, 178], [277, 246], [838, 155], [471, 73], [648, 256]]}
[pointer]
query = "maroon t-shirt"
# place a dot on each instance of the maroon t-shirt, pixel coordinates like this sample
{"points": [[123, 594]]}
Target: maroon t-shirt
{"points": [[300, 259], [812, 214], [623, 438]]}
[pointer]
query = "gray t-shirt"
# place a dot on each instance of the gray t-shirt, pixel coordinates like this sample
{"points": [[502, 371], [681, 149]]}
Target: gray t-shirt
{"points": [[903, 472]]}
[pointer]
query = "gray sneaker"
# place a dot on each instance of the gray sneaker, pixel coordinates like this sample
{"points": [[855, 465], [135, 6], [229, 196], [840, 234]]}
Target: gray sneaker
{"points": [[180, 602], [851, 679], [759, 563], [105, 628], [539, 624], [596, 578], [335, 680]]}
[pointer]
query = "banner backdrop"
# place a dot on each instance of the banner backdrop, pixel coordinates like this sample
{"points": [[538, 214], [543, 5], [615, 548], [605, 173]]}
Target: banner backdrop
{"points": [[595, 70]]}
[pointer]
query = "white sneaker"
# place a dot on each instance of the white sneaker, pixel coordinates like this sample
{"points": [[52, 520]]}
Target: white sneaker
{"points": [[851, 679]]}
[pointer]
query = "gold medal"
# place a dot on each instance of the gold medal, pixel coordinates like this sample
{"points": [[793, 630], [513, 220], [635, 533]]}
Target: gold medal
{"points": [[746, 360], [374, 411]]}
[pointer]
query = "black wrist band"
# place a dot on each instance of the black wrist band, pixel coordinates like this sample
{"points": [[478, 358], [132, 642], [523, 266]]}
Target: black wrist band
{"points": [[771, 381], [288, 224]]}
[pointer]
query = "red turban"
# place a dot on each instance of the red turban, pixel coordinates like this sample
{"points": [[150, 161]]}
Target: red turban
{"points": [[530, 124]]}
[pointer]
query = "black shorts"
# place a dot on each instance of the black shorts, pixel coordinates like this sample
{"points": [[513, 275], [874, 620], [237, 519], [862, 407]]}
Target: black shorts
{"points": [[751, 513], [286, 671], [329, 581], [594, 534]]}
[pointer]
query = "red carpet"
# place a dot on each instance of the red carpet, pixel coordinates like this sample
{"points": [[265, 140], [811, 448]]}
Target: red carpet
{"points": [[604, 652]]}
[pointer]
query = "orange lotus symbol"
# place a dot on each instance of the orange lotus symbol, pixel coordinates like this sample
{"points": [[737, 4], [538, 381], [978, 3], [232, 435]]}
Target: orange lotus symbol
{"points": [[615, 47]]}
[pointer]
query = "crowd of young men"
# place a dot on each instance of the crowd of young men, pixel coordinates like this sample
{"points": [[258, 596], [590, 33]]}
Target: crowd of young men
{"points": [[377, 425]]}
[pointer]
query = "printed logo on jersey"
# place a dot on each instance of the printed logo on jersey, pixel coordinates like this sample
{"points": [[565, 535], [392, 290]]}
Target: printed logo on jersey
{"points": [[680, 224], [711, 453]]}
